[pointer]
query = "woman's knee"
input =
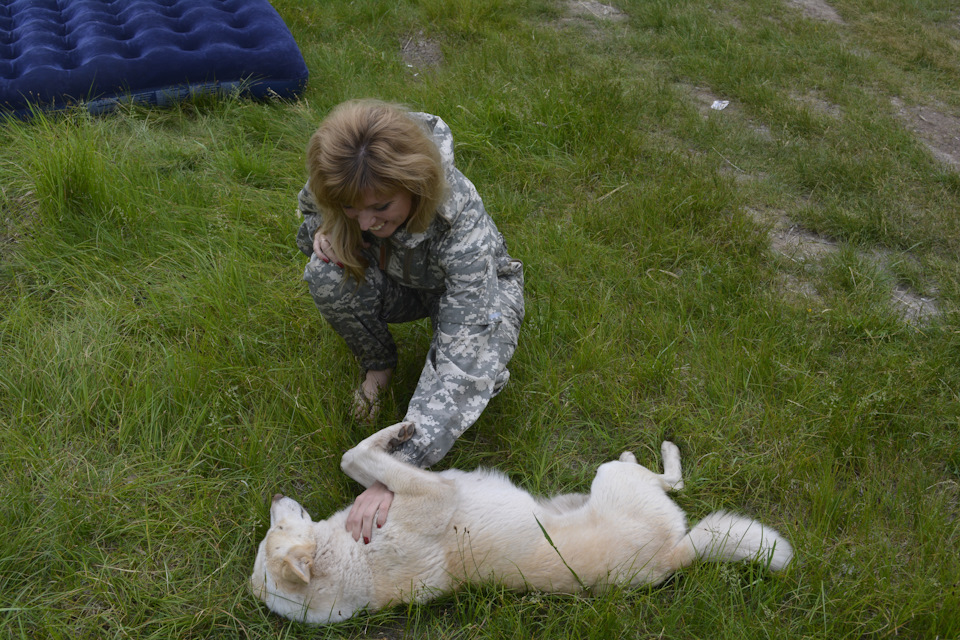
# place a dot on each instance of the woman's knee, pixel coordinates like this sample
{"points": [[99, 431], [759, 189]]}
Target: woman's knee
{"points": [[325, 281]]}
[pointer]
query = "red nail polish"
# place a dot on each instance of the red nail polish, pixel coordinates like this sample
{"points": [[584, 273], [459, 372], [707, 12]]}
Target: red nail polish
{"points": [[379, 525], [366, 540]]}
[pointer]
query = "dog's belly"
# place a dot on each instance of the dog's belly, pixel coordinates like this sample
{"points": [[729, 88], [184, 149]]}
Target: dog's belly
{"points": [[500, 533], [492, 531], [485, 527], [576, 555]]}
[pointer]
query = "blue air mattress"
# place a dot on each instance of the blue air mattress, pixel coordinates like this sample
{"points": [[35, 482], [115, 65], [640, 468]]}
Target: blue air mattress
{"points": [[54, 53]]}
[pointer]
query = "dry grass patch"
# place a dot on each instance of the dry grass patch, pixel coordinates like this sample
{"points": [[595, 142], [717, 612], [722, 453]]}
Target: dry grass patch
{"points": [[16, 217]]}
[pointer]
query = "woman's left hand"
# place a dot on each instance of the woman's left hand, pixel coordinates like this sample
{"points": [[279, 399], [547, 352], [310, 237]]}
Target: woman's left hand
{"points": [[371, 505], [324, 250]]}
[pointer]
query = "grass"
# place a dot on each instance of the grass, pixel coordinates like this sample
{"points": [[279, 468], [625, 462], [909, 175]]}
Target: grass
{"points": [[164, 371]]}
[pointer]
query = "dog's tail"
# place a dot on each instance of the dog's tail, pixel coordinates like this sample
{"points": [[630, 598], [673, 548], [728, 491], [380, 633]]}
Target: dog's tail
{"points": [[725, 537]]}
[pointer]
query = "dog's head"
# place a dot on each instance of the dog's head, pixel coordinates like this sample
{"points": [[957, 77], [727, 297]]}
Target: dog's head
{"points": [[295, 573]]}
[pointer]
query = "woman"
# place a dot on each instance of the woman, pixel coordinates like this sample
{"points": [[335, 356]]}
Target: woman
{"points": [[396, 233]]}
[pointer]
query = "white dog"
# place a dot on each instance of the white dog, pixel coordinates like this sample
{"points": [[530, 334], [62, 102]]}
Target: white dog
{"points": [[452, 527]]}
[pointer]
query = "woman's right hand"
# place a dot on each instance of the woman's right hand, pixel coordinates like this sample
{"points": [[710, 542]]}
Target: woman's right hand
{"points": [[324, 250], [369, 508]]}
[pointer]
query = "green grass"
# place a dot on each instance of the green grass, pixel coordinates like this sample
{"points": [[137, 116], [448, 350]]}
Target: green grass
{"points": [[163, 370]]}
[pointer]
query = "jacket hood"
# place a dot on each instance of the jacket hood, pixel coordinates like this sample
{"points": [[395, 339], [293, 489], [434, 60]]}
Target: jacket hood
{"points": [[442, 137], [460, 188]]}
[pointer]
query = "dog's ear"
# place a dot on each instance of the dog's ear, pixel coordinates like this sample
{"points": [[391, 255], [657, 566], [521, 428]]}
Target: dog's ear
{"points": [[296, 565]]}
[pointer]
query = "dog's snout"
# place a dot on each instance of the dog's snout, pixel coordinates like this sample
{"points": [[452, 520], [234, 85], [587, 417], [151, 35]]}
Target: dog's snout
{"points": [[277, 497]]}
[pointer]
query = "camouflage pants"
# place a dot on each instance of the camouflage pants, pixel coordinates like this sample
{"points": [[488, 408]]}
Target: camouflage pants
{"points": [[361, 315]]}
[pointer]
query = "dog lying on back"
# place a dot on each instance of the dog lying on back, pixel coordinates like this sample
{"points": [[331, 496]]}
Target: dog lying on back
{"points": [[453, 527]]}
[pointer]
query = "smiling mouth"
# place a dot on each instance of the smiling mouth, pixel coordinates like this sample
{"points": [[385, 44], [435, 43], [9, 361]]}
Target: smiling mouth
{"points": [[378, 227]]}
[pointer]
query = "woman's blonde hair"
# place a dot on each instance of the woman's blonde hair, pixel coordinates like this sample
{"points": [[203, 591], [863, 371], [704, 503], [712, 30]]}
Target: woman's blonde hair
{"points": [[368, 146]]}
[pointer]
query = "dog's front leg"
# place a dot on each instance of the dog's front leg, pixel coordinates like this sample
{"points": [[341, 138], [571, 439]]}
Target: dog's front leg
{"points": [[672, 474], [370, 462]]}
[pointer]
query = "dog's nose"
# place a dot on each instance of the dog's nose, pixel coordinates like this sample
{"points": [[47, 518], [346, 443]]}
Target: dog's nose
{"points": [[277, 496]]}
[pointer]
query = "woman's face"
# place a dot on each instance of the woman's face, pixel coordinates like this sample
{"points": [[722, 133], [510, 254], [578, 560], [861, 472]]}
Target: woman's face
{"points": [[380, 214]]}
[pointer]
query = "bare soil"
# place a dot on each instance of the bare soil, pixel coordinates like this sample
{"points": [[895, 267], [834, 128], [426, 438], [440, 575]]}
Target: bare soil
{"points": [[817, 10], [792, 242], [789, 240], [938, 130], [593, 9], [420, 52]]}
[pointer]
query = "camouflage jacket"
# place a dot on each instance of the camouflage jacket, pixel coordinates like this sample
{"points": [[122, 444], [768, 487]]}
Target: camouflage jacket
{"points": [[462, 259]]}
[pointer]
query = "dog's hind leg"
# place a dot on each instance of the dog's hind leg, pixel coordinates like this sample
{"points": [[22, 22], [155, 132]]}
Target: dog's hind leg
{"points": [[672, 477]]}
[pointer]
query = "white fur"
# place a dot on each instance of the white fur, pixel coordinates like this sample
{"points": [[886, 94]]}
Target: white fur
{"points": [[451, 527]]}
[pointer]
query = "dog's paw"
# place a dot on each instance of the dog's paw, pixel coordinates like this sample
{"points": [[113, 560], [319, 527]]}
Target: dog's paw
{"points": [[669, 450], [402, 432]]}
